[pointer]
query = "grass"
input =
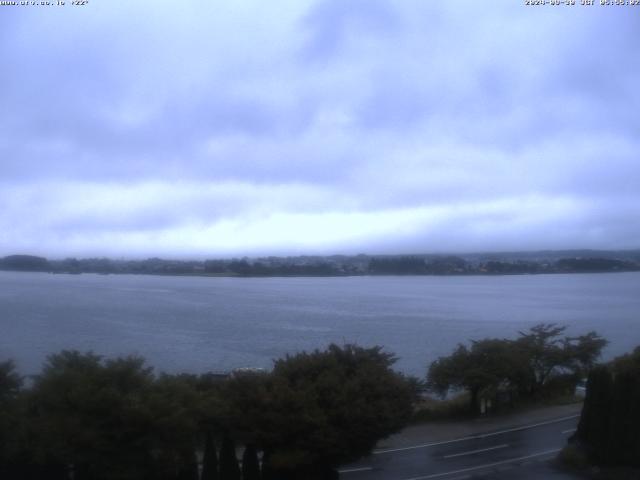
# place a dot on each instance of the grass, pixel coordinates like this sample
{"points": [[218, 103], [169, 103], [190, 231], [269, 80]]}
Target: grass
{"points": [[457, 408], [430, 409], [573, 459]]}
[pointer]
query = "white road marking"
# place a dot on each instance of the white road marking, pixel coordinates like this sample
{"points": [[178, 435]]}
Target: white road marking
{"points": [[571, 430], [474, 437], [487, 465], [351, 470], [480, 450]]}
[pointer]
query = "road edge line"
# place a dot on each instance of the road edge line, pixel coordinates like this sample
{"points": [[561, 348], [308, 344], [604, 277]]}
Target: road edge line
{"points": [[474, 437], [487, 465]]}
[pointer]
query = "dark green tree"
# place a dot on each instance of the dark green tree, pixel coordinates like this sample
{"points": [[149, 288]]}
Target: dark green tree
{"points": [[609, 427], [10, 381], [548, 353], [229, 469], [91, 414], [112, 419], [11, 420], [174, 405], [593, 428], [625, 425], [266, 470], [543, 348], [325, 408], [250, 464], [481, 369], [518, 367], [188, 468], [28, 263], [209, 459], [583, 352], [397, 266], [243, 401]]}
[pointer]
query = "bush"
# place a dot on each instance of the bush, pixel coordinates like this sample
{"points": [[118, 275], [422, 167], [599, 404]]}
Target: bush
{"points": [[117, 420], [430, 409], [610, 422], [559, 386], [573, 457]]}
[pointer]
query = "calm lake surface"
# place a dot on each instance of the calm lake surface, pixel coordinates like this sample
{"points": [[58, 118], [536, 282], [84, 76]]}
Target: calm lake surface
{"points": [[197, 324]]}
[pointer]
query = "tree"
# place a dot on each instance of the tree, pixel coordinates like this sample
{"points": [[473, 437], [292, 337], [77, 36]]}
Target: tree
{"points": [[242, 405], [326, 408], [523, 366], [10, 421], [91, 414], [397, 266], [174, 406], [267, 472], [28, 263], [593, 427], [229, 469], [624, 436], [484, 367], [609, 427], [543, 348], [112, 419], [188, 468], [583, 351], [250, 464], [209, 459], [10, 381], [548, 353]]}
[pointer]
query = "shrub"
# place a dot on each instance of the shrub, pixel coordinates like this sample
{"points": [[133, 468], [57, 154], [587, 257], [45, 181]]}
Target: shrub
{"points": [[573, 457]]}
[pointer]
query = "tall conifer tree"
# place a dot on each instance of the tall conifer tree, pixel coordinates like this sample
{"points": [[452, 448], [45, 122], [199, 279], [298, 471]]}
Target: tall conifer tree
{"points": [[229, 469], [210, 459], [250, 464]]}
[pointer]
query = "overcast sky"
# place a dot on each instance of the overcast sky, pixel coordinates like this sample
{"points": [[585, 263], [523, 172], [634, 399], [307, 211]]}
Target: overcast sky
{"points": [[211, 128]]}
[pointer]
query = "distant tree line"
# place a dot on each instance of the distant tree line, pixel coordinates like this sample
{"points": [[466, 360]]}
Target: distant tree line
{"points": [[89, 418], [418, 266], [609, 428], [540, 362], [337, 265], [26, 263], [451, 265], [257, 269]]}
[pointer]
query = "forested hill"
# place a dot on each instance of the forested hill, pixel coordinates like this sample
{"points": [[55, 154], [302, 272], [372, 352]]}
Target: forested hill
{"points": [[590, 261]]}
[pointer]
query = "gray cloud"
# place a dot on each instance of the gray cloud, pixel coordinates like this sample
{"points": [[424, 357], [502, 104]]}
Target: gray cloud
{"points": [[317, 126]]}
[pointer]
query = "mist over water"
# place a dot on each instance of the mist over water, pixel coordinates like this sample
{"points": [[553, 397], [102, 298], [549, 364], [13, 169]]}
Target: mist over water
{"points": [[197, 324]]}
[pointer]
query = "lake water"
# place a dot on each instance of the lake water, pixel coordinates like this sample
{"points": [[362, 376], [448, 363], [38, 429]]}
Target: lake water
{"points": [[197, 324]]}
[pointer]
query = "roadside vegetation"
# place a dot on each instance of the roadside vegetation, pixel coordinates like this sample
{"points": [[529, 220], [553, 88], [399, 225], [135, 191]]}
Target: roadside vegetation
{"points": [[606, 444], [542, 364], [92, 418], [89, 418]]}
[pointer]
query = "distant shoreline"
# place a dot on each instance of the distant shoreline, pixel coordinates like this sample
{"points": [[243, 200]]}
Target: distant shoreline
{"points": [[489, 264], [368, 275]]}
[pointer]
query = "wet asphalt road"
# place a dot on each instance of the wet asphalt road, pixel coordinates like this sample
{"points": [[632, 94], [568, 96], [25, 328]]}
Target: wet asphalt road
{"points": [[522, 453]]}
